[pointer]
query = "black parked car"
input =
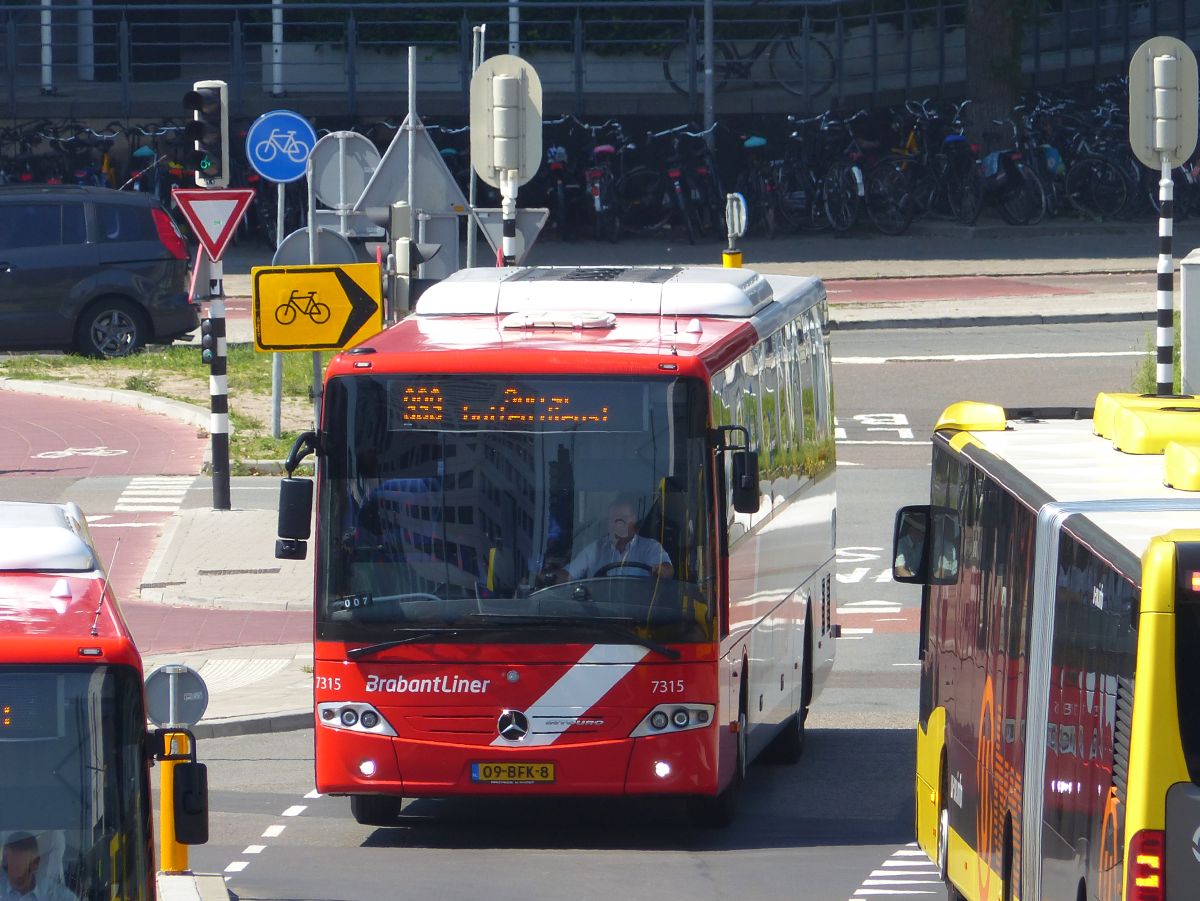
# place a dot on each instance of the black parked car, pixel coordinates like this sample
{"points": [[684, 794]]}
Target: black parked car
{"points": [[99, 271]]}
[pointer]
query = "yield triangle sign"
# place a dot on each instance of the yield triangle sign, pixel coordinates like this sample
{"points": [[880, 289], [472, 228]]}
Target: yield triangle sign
{"points": [[213, 214]]}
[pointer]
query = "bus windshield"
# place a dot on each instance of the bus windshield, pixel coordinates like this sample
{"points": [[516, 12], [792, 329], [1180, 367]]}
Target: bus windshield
{"points": [[73, 780], [547, 509]]}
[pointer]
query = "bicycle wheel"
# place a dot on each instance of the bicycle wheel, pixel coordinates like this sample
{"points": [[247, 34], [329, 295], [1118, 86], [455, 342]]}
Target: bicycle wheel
{"points": [[889, 201], [644, 200], [319, 313], [1096, 188], [802, 66], [965, 191], [675, 67], [1023, 202], [841, 189]]}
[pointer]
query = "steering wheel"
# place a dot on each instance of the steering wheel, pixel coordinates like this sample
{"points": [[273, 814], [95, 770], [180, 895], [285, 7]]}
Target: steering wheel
{"points": [[625, 565]]}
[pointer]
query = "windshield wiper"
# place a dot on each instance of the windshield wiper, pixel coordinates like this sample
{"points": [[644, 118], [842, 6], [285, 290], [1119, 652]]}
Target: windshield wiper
{"points": [[613, 625], [418, 635]]}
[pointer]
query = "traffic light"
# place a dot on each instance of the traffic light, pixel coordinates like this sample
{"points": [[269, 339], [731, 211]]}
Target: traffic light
{"points": [[208, 343], [209, 128]]}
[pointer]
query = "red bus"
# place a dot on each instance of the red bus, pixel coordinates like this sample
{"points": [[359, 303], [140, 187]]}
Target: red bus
{"points": [[74, 750], [574, 535]]}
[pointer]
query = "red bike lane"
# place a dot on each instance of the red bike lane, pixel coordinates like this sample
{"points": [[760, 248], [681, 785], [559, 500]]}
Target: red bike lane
{"points": [[44, 438]]}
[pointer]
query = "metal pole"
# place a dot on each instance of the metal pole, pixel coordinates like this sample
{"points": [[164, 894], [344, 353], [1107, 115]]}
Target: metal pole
{"points": [[47, 36], [710, 115], [411, 194], [1165, 330], [277, 357], [514, 27], [477, 41], [312, 259], [218, 390], [85, 36], [277, 50]]}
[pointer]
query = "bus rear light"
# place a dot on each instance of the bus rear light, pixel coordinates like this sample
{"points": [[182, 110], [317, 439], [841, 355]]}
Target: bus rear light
{"points": [[667, 718], [1146, 866], [352, 716]]}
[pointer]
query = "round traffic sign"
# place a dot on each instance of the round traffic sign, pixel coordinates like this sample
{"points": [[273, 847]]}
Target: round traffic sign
{"points": [[332, 249], [278, 145], [343, 163], [191, 696]]}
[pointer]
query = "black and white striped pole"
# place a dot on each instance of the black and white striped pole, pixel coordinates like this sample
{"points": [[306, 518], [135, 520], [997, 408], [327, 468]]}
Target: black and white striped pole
{"points": [[506, 136], [213, 351], [1162, 133]]}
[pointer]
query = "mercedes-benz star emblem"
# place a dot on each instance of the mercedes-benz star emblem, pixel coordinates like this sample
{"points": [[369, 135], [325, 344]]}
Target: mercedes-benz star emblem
{"points": [[513, 725]]}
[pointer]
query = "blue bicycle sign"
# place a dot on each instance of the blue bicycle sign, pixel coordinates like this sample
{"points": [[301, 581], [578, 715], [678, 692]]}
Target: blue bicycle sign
{"points": [[278, 145]]}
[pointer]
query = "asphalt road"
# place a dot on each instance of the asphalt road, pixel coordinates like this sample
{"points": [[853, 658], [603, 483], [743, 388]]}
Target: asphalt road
{"points": [[833, 827]]}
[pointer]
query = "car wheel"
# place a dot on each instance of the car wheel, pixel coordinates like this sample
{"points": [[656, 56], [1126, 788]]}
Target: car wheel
{"points": [[111, 327]]}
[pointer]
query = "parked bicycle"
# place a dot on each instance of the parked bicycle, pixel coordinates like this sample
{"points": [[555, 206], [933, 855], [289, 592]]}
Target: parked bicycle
{"points": [[798, 62]]}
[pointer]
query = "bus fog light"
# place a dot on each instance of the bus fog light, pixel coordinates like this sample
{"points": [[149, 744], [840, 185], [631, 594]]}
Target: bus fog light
{"points": [[328, 713], [367, 767], [349, 717], [662, 769], [369, 719], [659, 720], [680, 718]]}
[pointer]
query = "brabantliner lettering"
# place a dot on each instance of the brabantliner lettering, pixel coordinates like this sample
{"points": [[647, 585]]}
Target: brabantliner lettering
{"points": [[435, 685]]}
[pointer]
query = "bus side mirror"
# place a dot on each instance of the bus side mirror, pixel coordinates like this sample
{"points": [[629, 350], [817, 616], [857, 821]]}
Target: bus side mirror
{"points": [[191, 803], [910, 545], [746, 498], [295, 517]]}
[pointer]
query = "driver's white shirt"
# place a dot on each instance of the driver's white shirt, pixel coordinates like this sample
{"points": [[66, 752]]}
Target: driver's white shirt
{"points": [[603, 552], [48, 891]]}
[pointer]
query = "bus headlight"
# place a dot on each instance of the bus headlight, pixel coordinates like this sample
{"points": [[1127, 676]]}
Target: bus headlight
{"points": [[353, 716], [674, 718]]}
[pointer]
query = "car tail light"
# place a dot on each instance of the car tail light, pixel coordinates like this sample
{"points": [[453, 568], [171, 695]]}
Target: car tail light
{"points": [[1146, 866], [168, 234], [702, 170], [672, 173]]}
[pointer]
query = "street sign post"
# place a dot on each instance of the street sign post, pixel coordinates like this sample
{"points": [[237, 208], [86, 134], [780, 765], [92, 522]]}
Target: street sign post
{"points": [[1162, 132], [213, 214], [506, 133], [317, 307], [278, 145]]}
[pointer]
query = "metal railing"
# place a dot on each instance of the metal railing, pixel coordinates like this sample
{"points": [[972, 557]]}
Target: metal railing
{"points": [[87, 60]]}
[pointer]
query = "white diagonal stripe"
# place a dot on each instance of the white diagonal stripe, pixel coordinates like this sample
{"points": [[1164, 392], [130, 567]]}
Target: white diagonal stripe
{"points": [[579, 688]]}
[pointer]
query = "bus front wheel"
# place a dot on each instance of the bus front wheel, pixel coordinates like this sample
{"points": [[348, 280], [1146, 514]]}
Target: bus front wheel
{"points": [[375, 810], [718, 811]]}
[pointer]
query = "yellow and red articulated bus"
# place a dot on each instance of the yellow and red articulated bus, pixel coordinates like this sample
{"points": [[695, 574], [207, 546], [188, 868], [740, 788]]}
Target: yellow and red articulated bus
{"points": [[1058, 749], [574, 536], [75, 816]]}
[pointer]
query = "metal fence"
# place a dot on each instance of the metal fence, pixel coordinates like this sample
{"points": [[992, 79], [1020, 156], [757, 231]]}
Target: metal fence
{"points": [[95, 59]]}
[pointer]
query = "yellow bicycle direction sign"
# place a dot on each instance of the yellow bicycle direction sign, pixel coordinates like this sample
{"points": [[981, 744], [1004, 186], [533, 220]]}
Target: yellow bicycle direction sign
{"points": [[316, 307]]}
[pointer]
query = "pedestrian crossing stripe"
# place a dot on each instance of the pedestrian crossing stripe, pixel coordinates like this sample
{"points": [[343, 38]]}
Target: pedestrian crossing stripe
{"points": [[154, 494]]}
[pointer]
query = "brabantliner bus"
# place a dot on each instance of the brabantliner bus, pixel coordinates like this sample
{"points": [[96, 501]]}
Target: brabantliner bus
{"points": [[74, 748], [1058, 749], [469, 454]]}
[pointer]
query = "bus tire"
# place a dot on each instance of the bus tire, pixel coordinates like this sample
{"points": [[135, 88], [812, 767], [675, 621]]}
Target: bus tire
{"points": [[943, 853], [718, 811], [375, 810], [788, 746]]}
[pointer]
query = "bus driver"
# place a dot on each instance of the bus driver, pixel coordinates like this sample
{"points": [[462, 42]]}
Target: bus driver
{"points": [[621, 551]]}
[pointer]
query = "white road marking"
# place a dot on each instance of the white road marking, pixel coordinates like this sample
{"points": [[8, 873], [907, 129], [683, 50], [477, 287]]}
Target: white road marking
{"points": [[237, 866], [254, 849], [984, 358], [274, 831], [313, 795], [846, 631], [294, 811], [909, 664], [154, 494]]}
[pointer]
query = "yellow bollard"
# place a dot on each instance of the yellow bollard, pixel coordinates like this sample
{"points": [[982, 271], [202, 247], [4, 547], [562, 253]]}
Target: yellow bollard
{"points": [[731, 258], [173, 856]]}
